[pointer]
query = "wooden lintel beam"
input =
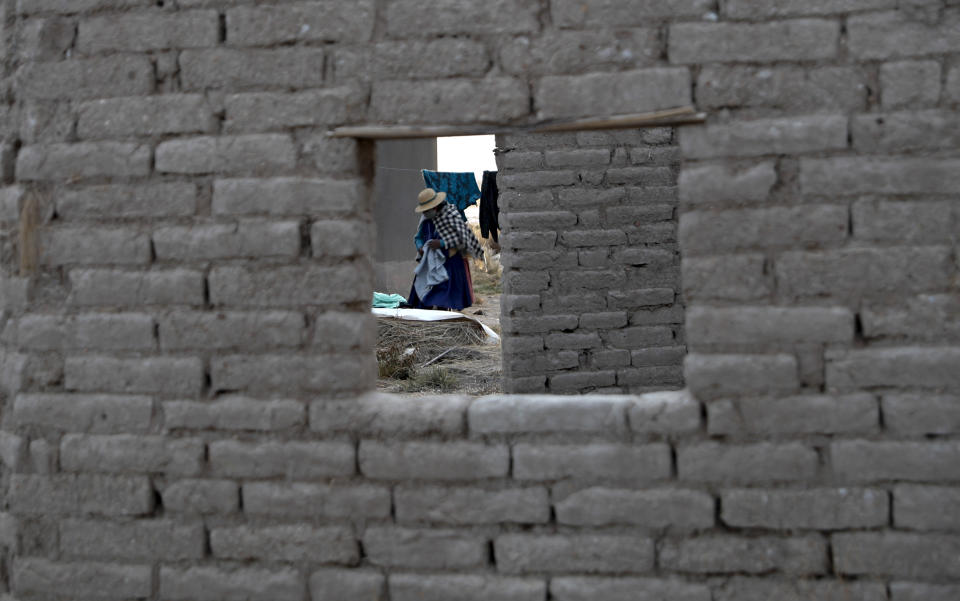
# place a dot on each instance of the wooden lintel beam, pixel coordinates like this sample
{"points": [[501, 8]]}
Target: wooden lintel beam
{"points": [[677, 116]]}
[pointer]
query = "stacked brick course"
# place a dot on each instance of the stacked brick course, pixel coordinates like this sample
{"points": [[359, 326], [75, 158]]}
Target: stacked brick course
{"points": [[184, 282], [591, 264]]}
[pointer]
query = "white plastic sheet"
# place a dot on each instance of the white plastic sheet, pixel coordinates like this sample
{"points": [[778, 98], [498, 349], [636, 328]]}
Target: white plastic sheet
{"points": [[429, 315]]}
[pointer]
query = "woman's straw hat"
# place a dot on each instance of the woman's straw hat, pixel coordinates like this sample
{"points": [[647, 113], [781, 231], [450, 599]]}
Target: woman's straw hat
{"points": [[428, 199]]}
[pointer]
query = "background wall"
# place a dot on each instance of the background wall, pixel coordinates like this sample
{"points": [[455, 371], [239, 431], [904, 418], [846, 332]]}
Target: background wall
{"points": [[186, 334], [395, 187], [591, 264]]}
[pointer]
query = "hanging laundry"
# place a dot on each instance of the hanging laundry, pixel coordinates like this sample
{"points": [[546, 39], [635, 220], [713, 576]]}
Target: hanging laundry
{"points": [[489, 207], [461, 188]]}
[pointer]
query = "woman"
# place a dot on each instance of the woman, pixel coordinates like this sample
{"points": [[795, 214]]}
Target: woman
{"points": [[441, 228]]}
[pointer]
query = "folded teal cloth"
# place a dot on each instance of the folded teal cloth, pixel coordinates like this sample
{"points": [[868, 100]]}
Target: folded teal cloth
{"points": [[387, 301]]}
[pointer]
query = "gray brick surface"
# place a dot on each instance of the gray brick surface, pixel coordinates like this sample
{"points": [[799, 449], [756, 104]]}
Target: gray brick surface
{"points": [[591, 461], [144, 540], [727, 277], [145, 116], [98, 414], [878, 175], [334, 584], [627, 92], [424, 549], [718, 184], [83, 160], [866, 461], [307, 500], [138, 32], [664, 413], [334, 544], [909, 83], [579, 51], [412, 19], [289, 374], [809, 414], [597, 13], [894, 34], [128, 453], [767, 326], [304, 460], [913, 414], [341, 239], [285, 196], [449, 100], [887, 221], [752, 463], [165, 375], [243, 69], [903, 555], [741, 588], [926, 507], [10, 198], [676, 509], [327, 21], [433, 461], [90, 331], [794, 135], [715, 376], [129, 202], [261, 330], [118, 75], [65, 494], [376, 414], [257, 153], [904, 366], [510, 414], [462, 506], [201, 496], [92, 245], [590, 553], [624, 589], [916, 591], [241, 240], [782, 87], [800, 555], [210, 583], [235, 413], [410, 587], [810, 509], [289, 286], [37, 576], [268, 111], [133, 289], [800, 39]]}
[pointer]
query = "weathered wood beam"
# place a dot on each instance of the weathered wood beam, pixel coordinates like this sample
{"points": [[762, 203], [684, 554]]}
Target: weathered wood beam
{"points": [[676, 116]]}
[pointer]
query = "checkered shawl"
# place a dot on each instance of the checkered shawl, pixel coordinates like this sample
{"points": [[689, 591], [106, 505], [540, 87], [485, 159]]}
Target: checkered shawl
{"points": [[455, 231]]}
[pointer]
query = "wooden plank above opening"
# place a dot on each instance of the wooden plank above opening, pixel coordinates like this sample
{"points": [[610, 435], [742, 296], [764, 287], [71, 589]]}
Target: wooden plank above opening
{"points": [[678, 116]]}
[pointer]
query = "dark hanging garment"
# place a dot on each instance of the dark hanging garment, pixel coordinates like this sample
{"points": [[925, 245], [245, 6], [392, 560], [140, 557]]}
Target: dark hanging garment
{"points": [[489, 209]]}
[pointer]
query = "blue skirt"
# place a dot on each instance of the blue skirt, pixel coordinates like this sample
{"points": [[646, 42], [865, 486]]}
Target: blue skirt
{"points": [[452, 294]]}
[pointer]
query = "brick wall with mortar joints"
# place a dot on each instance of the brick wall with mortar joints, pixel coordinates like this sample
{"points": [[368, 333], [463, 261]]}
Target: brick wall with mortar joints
{"points": [[823, 365], [591, 263]]}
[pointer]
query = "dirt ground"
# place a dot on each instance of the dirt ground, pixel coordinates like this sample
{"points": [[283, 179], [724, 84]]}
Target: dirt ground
{"points": [[472, 369]]}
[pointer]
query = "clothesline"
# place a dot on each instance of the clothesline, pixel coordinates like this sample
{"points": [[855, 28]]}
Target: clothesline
{"points": [[399, 169]]}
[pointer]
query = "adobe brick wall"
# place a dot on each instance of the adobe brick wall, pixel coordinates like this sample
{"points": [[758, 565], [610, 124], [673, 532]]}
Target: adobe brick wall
{"points": [[591, 264], [184, 370]]}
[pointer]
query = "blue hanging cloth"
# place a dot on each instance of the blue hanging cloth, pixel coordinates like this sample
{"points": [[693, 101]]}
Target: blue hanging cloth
{"points": [[461, 188]]}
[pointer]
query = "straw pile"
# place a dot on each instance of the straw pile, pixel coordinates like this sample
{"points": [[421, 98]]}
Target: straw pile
{"points": [[427, 338]]}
